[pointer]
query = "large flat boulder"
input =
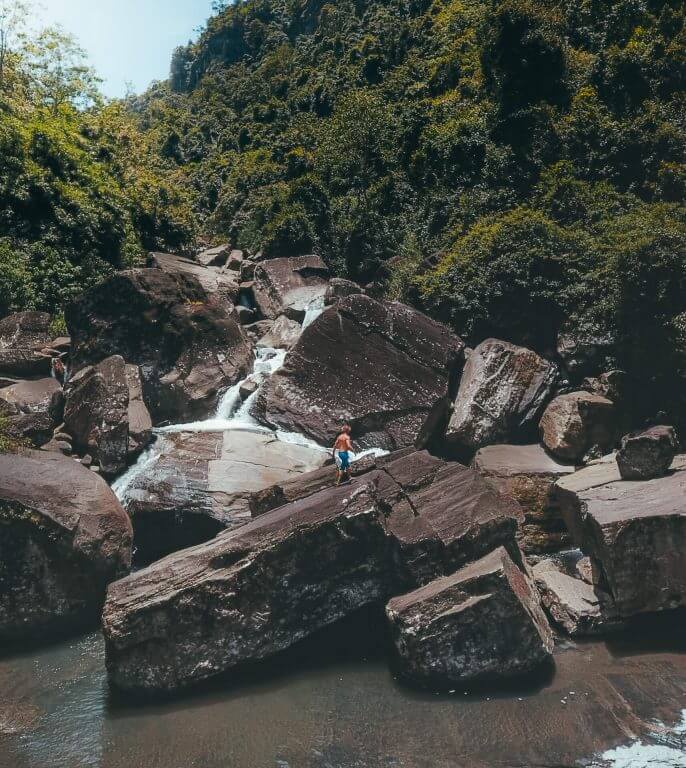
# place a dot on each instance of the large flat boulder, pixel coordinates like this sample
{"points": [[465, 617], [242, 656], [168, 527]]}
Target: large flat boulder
{"points": [[481, 624], [247, 594], [63, 538], [288, 286], [188, 347], [635, 532], [578, 423], [527, 474], [215, 278], [31, 409], [23, 336], [503, 391], [200, 483], [379, 366]]}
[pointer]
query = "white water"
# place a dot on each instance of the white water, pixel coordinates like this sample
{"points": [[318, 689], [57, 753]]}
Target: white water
{"points": [[313, 311], [638, 754]]}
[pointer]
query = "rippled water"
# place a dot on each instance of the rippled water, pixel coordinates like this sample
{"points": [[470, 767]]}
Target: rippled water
{"points": [[334, 703]]}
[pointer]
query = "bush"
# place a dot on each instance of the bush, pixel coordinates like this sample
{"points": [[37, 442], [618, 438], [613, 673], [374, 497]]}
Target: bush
{"points": [[16, 289]]}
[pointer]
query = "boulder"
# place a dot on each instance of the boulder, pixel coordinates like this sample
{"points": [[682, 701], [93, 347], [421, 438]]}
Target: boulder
{"points": [[96, 413], [22, 337], [58, 446], [217, 282], [379, 366], [35, 396], [584, 349], [247, 594], [235, 260], [63, 538], [644, 455], [288, 286], [199, 483], [578, 606], [247, 389], [339, 288], [189, 349], [283, 334], [503, 391], [31, 409], [635, 532], [527, 474], [25, 428], [481, 624], [214, 257], [578, 423], [140, 423]]}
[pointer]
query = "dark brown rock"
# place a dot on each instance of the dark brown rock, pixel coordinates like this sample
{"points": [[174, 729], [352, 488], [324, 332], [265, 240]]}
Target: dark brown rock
{"points": [[31, 409], [503, 391], [578, 423], [380, 367], [63, 538], [247, 594], [283, 334], [647, 454], [527, 474], [481, 624], [288, 286], [140, 423], [188, 347], [339, 288], [214, 257], [635, 532], [22, 337], [219, 283]]}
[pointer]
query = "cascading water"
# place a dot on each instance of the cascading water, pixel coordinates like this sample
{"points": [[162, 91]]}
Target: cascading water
{"points": [[313, 311]]}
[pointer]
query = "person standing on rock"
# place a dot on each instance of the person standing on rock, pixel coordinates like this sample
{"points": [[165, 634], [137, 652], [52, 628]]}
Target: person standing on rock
{"points": [[342, 449]]}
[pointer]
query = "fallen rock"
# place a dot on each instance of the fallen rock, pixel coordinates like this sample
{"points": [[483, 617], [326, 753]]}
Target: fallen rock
{"points": [[140, 423], [58, 446], [31, 409], [25, 428], [32, 396], [63, 538], [189, 349], [217, 282], [248, 594], [635, 533], [283, 334], [380, 367], [578, 423], [339, 288], [96, 413], [248, 388], [200, 484], [235, 260], [288, 286], [579, 607], [214, 257], [644, 455], [22, 336], [481, 624], [527, 474], [503, 391], [245, 316]]}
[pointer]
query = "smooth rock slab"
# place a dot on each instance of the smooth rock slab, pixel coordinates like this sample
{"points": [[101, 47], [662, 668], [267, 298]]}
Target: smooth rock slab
{"points": [[380, 367], [63, 538], [635, 533], [503, 391], [481, 624], [527, 474], [248, 594]]}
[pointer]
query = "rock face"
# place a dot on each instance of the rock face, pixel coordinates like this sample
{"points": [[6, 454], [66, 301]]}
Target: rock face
{"points": [[247, 594], [31, 409], [282, 335], [480, 624], [289, 286], [214, 257], [527, 474], [63, 538], [503, 391], [140, 423], [380, 367], [188, 347], [338, 289], [22, 337], [201, 483], [647, 454], [635, 532], [576, 423], [96, 413], [578, 606], [216, 279]]}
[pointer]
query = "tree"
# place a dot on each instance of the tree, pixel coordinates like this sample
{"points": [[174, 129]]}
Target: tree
{"points": [[13, 15]]}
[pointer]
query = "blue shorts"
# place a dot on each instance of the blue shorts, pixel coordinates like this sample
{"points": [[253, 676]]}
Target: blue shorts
{"points": [[343, 460]]}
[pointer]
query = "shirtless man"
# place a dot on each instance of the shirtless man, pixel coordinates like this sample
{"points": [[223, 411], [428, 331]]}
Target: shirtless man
{"points": [[342, 449]]}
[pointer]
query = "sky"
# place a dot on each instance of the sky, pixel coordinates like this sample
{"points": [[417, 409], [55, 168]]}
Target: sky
{"points": [[128, 41]]}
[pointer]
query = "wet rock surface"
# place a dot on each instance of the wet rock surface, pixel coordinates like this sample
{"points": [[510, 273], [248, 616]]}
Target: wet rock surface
{"points": [[247, 594], [635, 533], [482, 623], [503, 391], [527, 474], [647, 454], [576, 423], [63, 538], [380, 367], [188, 347], [288, 286]]}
